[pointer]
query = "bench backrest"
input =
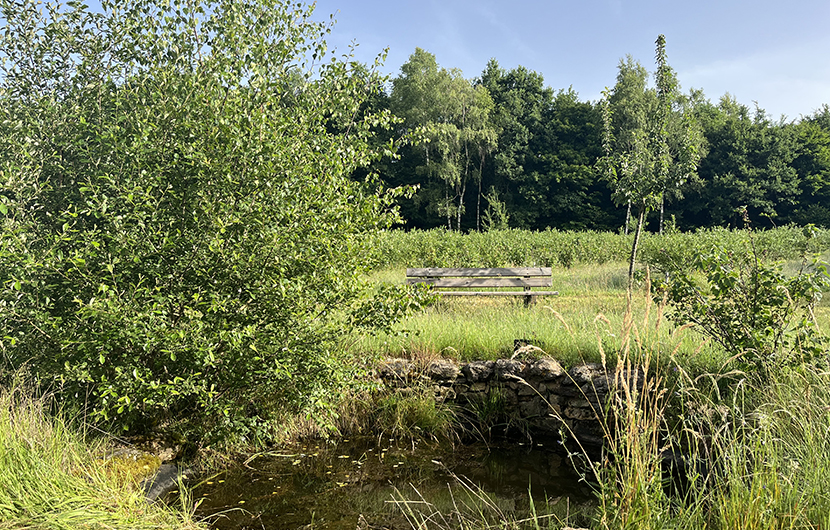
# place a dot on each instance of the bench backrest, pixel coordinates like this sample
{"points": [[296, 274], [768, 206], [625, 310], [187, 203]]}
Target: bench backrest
{"points": [[444, 278]]}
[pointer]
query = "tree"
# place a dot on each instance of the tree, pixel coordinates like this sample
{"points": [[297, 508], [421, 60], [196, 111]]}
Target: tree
{"points": [[813, 167], [749, 165], [572, 143], [181, 241], [516, 170], [447, 118], [643, 157]]}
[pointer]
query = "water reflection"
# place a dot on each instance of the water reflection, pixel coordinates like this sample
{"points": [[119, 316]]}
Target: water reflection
{"points": [[364, 483]]}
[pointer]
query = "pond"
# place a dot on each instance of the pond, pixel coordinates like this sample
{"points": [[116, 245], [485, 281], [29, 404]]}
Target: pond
{"points": [[373, 483]]}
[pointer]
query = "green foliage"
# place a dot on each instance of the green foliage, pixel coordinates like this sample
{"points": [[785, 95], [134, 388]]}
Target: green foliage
{"points": [[646, 152], [491, 414], [517, 171], [554, 248], [181, 240], [447, 119], [749, 164], [813, 167], [378, 312], [495, 216], [761, 316]]}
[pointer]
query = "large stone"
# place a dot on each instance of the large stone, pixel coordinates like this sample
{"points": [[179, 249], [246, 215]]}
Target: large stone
{"points": [[445, 393], [586, 373], [508, 368], [397, 370], [547, 424], [544, 369], [579, 413], [529, 409], [443, 370], [511, 398], [477, 370], [579, 403], [526, 390]]}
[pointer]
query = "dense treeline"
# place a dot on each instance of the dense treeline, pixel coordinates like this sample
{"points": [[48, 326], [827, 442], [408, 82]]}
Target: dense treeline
{"points": [[504, 150]]}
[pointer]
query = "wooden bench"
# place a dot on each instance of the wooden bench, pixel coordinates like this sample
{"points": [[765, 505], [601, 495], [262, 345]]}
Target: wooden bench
{"points": [[518, 277]]}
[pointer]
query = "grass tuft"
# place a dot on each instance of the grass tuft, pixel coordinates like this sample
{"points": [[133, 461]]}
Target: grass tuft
{"points": [[52, 477]]}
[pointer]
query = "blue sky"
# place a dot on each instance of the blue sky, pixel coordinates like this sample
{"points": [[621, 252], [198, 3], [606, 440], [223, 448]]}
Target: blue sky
{"points": [[774, 52]]}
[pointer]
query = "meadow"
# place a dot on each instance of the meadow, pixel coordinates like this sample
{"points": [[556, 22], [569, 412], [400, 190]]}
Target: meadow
{"points": [[590, 274]]}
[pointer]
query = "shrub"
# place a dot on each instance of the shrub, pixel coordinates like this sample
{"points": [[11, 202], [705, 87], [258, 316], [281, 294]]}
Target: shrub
{"points": [[757, 313], [180, 236]]}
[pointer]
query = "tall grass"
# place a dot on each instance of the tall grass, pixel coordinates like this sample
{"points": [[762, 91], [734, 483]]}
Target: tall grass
{"points": [[747, 452], [769, 448], [688, 448], [591, 305], [52, 478]]}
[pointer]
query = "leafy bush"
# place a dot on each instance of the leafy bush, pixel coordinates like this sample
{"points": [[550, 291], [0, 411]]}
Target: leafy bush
{"points": [[751, 308], [181, 240]]}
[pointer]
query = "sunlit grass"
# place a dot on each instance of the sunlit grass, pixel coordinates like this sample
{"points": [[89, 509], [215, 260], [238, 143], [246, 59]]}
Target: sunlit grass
{"points": [[51, 477], [571, 327]]}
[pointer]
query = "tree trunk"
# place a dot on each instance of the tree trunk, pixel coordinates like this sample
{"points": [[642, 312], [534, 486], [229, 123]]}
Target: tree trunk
{"points": [[447, 202], [463, 186], [633, 257], [478, 199], [478, 207], [461, 204], [627, 218], [662, 210]]}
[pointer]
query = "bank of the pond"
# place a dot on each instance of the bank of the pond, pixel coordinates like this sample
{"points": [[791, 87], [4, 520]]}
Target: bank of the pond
{"points": [[52, 475], [537, 397]]}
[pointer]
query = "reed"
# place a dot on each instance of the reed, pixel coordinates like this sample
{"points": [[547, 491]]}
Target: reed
{"points": [[746, 451]]}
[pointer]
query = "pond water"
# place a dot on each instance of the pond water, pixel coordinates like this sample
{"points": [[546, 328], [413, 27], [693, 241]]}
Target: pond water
{"points": [[372, 483]]}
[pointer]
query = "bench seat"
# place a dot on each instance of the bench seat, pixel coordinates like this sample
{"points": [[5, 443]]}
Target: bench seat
{"points": [[447, 279]]}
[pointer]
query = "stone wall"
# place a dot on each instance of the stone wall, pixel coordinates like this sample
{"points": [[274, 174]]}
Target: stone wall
{"points": [[540, 392]]}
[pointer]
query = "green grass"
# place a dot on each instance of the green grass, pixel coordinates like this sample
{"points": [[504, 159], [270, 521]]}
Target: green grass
{"points": [[576, 326], [51, 477], [760, 447]]}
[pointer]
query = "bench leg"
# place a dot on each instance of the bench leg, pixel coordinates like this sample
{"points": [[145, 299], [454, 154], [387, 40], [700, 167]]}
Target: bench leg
{"points": [[529, 300]]}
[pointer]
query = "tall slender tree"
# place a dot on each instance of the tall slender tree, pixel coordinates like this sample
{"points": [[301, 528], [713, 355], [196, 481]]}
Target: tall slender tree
{"points": [[449, 119], [642, 159]]}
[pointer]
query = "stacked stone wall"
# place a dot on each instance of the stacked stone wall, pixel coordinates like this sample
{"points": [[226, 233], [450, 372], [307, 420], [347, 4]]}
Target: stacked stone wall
{"points": [[548, 398]]}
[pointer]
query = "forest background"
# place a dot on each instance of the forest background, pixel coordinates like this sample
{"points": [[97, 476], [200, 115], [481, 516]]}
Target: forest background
{"points": [[505, 150]]}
